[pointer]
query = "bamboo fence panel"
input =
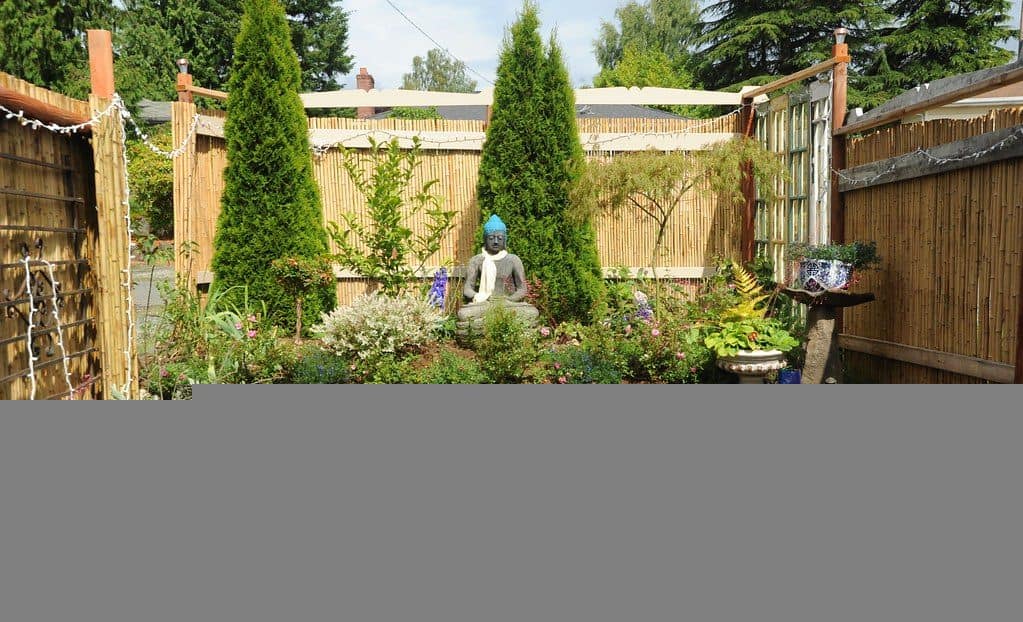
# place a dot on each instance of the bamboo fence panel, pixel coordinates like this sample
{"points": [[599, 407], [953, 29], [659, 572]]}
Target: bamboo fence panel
{"points": [[47, 205], [952, 249], [701, 230]]}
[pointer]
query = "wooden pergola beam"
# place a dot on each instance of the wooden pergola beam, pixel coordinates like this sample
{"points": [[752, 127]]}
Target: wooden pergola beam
{"points": [[799, 76]]}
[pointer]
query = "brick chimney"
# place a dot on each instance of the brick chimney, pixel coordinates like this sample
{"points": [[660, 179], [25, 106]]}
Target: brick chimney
{"points": [[364, 82]]}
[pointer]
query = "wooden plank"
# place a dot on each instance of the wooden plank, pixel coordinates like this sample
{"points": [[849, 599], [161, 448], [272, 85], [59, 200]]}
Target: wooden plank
{"points": [[1004, 144], [41, 195], [955, 363], [39, 110], [211, 93], [799, 76], [935, 94], [34, 162]]}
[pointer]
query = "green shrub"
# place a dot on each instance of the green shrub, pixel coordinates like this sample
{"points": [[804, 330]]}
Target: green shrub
{"points": [[219, 342], [318, 366], [505, 345], [578, 365], [376, 325], [449, 368], [152, 182]]}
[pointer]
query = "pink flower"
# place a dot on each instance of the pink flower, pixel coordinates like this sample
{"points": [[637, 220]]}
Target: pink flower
{"points": [[163, 372], [252, 318], [238, 325], [251, 333], [546, 332], [680, 355], [655, 332], [692, 370], [557, 365], [562, 380]]}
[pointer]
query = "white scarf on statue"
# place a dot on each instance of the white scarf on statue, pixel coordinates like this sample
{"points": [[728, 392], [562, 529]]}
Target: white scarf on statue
{"points": [[488, 275]]}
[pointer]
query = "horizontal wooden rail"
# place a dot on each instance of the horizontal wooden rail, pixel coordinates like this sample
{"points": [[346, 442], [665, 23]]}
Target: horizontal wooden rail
{"points": [[799, 76], [40, 228], [37, 262], [40, 195], [24, 373], [39, 110], [44, 331], [15, 158], [956, 363], [940, 93], [994, 146]]}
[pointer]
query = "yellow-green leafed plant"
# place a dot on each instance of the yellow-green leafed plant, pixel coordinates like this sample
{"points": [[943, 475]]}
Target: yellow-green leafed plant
{"points": [[746, 326]]}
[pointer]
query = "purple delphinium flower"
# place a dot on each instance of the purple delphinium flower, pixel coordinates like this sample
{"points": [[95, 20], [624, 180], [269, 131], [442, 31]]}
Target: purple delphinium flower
{"points": [[439, 287], [643, 310]]}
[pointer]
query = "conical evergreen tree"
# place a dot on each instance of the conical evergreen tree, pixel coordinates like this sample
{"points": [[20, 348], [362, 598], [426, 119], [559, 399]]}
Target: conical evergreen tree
{"points": [[271, 205], [530, 157]]}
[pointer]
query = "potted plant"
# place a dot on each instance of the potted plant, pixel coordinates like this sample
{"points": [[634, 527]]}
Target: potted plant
{"points": [[745, 340], [831, 266]]}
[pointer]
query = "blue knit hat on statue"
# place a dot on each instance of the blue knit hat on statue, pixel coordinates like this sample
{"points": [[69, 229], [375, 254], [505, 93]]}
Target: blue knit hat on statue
{"points": [[494, 224]]}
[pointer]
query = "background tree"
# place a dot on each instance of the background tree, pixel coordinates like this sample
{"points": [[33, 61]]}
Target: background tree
{"points": [[438, 72], [937, 39], [270, 207], [530, 158], [666, 26], [44, 41]]}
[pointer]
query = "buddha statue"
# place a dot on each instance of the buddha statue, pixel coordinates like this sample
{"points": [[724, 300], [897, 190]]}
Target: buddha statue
{"points": [[494, 276]]}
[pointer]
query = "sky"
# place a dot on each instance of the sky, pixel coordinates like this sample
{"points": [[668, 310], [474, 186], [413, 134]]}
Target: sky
{"points": [[383, 42]]}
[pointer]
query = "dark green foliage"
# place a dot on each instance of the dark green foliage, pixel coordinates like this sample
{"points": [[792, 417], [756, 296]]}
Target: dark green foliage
{"points": [[895, 44], [152, 182], [317, 366], [530, 159], [270, 207], [44, 41], [506, 347], [450, 368], [415, 112], [937, 39]]}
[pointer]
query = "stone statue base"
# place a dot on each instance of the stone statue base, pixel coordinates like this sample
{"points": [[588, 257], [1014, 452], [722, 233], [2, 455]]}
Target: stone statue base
{"points": [[470, 316]]}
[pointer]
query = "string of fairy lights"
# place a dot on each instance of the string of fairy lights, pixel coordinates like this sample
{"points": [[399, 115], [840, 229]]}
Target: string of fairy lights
{"points": [[118, 107]]}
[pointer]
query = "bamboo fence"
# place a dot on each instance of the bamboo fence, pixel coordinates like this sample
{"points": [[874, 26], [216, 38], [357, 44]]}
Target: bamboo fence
{"points": [[47, 208], [700, 231], [952, 246]]}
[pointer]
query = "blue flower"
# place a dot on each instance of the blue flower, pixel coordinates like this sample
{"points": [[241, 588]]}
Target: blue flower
{"points": [[439, 287]]}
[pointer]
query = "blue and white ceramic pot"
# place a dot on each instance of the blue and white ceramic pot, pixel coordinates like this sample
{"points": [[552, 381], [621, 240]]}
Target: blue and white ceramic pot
{"points": [[817, 275]]}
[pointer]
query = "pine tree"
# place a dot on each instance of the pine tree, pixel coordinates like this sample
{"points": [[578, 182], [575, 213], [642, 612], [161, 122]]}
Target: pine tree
{"points": [[530, 157], [270, 207], [44, 41], [936, 39]]}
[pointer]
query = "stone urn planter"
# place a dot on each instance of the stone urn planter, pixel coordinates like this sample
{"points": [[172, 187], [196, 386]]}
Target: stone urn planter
{"points": [[752, 365]]}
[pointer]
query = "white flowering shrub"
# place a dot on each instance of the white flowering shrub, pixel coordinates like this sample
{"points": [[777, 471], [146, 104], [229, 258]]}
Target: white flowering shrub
{"points": [[377, 324]]}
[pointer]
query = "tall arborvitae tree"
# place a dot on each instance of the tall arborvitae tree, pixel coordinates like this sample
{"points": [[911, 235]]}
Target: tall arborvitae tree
{"points": [[530, 157], [270, 207]]}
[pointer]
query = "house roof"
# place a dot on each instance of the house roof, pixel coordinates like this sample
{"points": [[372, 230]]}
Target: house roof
{"points": [[591, 111]]}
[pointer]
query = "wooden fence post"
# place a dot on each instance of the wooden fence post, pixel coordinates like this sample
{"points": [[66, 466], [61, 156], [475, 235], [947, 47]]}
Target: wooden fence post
{"points": [[113, 261], [839, 102], [749, 188], [182, 113]]}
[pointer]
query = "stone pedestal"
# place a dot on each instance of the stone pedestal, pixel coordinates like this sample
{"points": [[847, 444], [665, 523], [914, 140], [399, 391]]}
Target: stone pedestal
{"points": [[470, 316], [823, 365]]}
